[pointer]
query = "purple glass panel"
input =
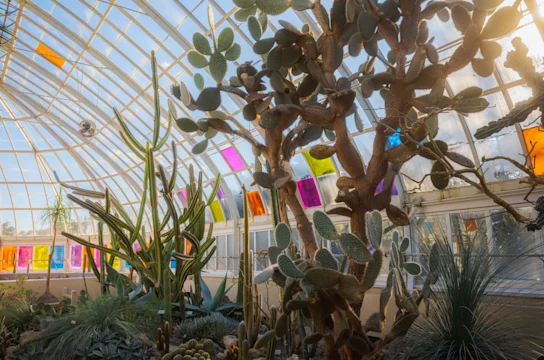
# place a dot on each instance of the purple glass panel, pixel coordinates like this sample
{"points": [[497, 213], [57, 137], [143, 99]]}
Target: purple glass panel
{"points": [[308, 192], [233, 159], [220, 194], [76, 252], [25, 256], [379, 189]]}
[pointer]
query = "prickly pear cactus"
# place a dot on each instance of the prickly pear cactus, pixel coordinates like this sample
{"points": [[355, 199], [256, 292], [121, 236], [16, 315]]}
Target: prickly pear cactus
{"points": [[319, 289]]}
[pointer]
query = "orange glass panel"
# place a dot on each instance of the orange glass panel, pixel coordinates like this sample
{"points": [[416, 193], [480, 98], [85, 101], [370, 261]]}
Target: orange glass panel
{"points": [[256, 203], [50, 55], [534, 136], [8, 254]]}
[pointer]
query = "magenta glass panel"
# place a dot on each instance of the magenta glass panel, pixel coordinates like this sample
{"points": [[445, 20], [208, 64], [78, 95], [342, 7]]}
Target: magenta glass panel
{"points": [[233, 159], [308, 192], [24, 256], [136, 247], [76, 252], [97, 257], [182, 196]]}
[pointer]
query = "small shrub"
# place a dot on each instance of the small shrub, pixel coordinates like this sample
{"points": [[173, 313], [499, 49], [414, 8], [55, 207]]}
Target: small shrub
{"points": [[107, 328], [213, 327]]}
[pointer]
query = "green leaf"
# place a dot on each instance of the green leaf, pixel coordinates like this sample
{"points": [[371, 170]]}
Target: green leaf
{"points": [[201, 44], [209, 99], [234, 52], [206, 294], [288, 268], [324, 226], [431, 122], [197, 60], [374, 228], [263, 46], [225, 40], [199, 81], [354, 248], [272, 7], [326, 259], [244, 4], [243, 14], [200, 147], [323, 278], [282, 235], [187, 125], [218, 67], [254, 27], [412, 268]]}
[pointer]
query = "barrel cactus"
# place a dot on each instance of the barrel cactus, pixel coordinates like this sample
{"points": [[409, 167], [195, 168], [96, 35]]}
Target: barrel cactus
{"points": [[193, 350]]}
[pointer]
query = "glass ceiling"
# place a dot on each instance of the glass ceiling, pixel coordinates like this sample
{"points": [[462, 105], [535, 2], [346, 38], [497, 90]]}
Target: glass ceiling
{"points": [[99, 58]]}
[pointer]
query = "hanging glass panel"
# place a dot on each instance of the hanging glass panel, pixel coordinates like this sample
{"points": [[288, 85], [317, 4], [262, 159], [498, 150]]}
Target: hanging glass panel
{"points": [[256, 203], [58, 258], [319, 167], [308, 192], [76, 256], [8, 257], [217, 212], [233, 159], [534, 137], [25, 257], [41, 255]]}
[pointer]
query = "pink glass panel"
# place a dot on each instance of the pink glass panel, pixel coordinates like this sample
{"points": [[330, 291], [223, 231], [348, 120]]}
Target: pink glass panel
{"points": [[136, 247], [182, 196], [220, 194], [25, 255], [233, 159], [97, 257], [76, 252], [308, 192]]}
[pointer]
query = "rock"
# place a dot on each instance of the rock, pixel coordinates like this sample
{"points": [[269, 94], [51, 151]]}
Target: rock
{"points": [[228, 340]]}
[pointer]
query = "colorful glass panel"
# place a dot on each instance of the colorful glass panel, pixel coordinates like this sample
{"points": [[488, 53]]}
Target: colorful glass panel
{"points": [[233, 159], [58, 258], [217, 211], [8, 255], [76, 252], [256, 203], [41, 256], [319, 167], [308, 192], [24, 258], [534, 137]]}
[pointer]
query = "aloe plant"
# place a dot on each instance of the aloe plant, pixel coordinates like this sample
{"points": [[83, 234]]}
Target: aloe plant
{"points": [[152, 262]]}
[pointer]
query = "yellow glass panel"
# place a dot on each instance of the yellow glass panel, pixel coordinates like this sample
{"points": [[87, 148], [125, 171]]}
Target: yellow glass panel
{"points": [[255, 203], [50, 55], [217, 211], [41, 257], [534, 136], [116, 261], [319, 167], [8, 254]]}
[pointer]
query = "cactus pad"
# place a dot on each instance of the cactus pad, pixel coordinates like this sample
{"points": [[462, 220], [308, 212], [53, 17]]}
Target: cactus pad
{"points": [[288, 268], [281, 325], [412, 268], [272, 7], [225, 39], [324, 226], [273, 253], [201, 44], [354, 248], [282, 235], [372, 271], [218, 67], [349, 287], [322, 277], [326, 259], [374, 228]]}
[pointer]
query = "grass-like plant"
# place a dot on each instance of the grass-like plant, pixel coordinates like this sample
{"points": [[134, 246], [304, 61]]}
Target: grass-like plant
{"points": [[471, 317], [75, 332], [213, 327]]}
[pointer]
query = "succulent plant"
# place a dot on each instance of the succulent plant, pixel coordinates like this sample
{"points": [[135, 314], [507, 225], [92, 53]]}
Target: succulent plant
{"points": [[168, 236], [193, 350]]}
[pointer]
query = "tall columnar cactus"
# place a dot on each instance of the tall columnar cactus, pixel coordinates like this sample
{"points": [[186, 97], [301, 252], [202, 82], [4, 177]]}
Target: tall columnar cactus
{"points": [[152, 262], [319, 290]]}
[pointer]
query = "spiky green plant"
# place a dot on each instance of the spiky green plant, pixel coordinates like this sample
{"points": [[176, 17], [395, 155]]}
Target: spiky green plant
{"points": [[213, 327], [75, 332], [470, 317], [57, 214], [153, 262]]}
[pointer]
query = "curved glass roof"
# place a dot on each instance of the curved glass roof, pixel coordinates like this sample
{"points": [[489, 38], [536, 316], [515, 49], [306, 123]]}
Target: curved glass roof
{"points": [[73, 60]]}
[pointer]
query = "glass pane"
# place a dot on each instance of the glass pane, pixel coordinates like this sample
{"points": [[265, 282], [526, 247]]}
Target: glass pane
{"points": [[260, 248], [470, 226], [221, 252], [512, 238]]}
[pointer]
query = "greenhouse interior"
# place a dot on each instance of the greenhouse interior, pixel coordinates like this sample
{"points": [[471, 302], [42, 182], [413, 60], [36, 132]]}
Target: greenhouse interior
{"points": [[271, 179]]}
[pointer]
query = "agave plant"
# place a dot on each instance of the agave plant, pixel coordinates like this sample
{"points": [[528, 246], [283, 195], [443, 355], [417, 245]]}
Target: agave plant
{"points": [[213, 304], [470, 317], [152, 262]]}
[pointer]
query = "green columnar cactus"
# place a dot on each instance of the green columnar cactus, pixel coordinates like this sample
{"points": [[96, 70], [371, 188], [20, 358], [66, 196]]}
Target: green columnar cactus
{"points": [[153, 262]]}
